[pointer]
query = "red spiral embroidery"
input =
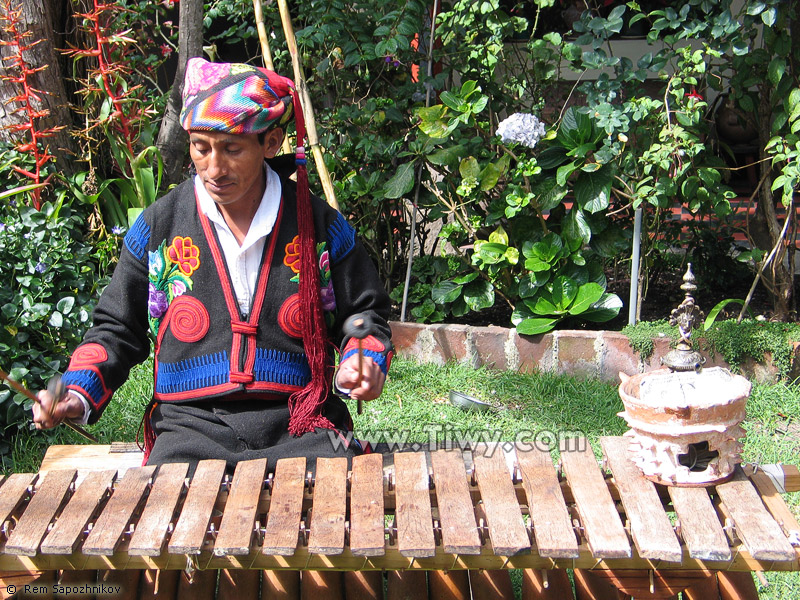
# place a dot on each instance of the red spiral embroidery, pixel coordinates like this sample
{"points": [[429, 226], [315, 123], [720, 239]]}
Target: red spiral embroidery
{"points": [[289, 316], [188, 319], [87, 355]]}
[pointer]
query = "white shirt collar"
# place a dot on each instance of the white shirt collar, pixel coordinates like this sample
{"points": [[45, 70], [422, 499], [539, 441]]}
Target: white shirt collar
{"points": [[266, 214]]}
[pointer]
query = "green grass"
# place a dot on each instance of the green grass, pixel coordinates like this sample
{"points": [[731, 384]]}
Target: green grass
{"points": [[415, 407]]}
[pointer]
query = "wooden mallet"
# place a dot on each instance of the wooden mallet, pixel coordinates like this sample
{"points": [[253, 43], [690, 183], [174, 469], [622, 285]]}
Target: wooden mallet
{"points": [[55, 387], [358, 326]]}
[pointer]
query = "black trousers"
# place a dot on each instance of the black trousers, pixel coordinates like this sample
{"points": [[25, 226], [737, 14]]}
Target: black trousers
{"points": [[243, 430]]}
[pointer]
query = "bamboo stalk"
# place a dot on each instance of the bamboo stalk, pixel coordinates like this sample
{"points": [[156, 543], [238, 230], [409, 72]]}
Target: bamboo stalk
{"points": [[266, 54], [308, 111]]}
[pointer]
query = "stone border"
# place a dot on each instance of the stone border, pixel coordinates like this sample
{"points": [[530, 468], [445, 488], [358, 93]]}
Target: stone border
{"points": [[601, 354]]}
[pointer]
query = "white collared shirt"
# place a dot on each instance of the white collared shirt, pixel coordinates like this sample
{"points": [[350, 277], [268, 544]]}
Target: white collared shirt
{"points": [[244, 261]]}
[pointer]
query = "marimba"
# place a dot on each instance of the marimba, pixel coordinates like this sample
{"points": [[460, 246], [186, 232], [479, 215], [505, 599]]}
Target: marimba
{"points": [[442, 510]]}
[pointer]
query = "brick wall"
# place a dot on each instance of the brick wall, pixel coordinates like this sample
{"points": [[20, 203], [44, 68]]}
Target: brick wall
{"points": [[602, 354]]}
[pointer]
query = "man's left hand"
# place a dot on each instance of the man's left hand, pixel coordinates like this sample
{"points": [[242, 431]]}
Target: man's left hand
{"points": [[372, 378]]}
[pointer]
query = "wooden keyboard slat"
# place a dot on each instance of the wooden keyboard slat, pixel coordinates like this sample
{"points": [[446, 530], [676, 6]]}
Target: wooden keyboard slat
{"points": [[239, 517], [367, 537], [601, 523], [700, 527], [456, 512], [773, 501], [503, 515], [330, 505], [192, 526], [151, 530], [32, 525], [110, 525], [285, 507], [413, 505], [65, 535], [552, 526], [650, 527], [13, 492], [759, 532]]}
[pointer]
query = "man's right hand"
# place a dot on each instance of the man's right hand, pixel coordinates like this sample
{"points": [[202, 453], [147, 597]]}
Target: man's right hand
{"points": [[46, 416]]}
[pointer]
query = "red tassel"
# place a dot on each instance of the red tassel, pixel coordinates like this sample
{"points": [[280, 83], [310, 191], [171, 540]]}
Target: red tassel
{"points": [[148, 434], [305, 406]]}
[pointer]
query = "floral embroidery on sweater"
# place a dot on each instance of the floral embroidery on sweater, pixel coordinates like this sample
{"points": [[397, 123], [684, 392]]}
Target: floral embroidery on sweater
{"points": [[292, 260], [169, 272]]}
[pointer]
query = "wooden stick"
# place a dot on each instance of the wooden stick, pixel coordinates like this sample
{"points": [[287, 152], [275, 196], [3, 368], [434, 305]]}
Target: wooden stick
{"points": [[26, 392], [267, 54], [308, 110]]}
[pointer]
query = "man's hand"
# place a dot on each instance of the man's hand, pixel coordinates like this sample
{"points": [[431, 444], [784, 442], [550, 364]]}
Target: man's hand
{"points": [[372, 378], [45, 416]]}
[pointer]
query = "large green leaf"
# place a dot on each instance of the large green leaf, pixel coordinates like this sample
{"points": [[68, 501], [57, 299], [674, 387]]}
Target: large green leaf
{"points": [[564, 171], [564, 292], [499, 236], [530, 284], [479, 294], [471, 276], [490, 253], [552, 157], [604, 309], [547, 250], [592, 190], [401, 182], [432, 121], [537, 265], [448, 156], [536, 326], [469, 167], [549, 193], [588, 294], [575, 129], [575, 229], [445, 292], [451, 100], [493, 172], [543, 306]]}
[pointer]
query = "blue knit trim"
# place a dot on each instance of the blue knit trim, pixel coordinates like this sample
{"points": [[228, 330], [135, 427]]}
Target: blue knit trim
{"points": [[342, 238], [138, 237], [193, 373], [380, 359], [89, 382], [285, 368]]}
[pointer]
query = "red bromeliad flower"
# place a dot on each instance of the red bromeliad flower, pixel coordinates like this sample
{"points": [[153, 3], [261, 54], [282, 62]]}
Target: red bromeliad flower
{"points": [[28, 99], [111, 73]]}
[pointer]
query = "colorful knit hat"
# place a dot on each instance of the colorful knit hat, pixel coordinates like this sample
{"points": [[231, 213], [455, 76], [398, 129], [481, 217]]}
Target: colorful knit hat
{"points": [[235, 98], [240, 99]]}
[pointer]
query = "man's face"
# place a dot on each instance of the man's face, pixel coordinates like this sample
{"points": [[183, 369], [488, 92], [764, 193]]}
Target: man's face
{"points": [[230, 165]]}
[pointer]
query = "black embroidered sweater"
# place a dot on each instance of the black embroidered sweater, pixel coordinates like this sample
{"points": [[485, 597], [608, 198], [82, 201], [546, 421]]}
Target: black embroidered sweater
{"points": [[172, 286]]}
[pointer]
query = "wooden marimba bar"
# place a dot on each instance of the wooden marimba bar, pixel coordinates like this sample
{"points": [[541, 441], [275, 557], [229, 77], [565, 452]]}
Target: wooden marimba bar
{"points": [[443, 510]]}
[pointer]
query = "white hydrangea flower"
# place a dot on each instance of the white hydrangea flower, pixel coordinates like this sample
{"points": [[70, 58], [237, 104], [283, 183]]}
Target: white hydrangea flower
{"points": [[521, 128]]}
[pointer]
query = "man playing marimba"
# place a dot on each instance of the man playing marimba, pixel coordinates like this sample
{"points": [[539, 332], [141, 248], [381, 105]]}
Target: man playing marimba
{"points": [[241, 278]]}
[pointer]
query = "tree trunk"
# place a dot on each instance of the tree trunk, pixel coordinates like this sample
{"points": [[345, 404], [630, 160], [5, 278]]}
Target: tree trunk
{"points": [[172, 139], [38, 17], [777, 278]]}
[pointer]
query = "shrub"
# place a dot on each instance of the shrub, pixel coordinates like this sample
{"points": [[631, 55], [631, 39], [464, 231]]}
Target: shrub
{"points": [[51, 281]]}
